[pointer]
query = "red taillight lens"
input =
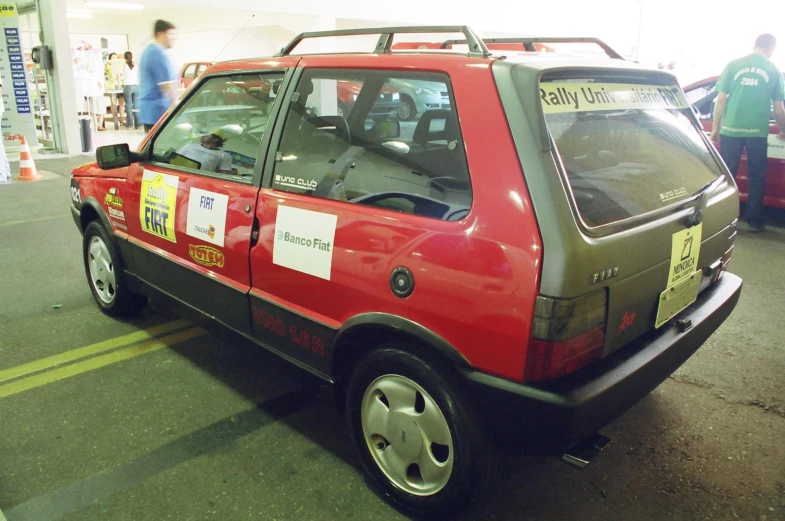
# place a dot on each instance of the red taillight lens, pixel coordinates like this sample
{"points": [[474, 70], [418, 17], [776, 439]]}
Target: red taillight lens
{"points": [[568, 334]]}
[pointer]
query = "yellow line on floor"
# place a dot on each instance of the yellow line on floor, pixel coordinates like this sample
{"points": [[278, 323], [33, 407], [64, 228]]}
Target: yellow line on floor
{"points": [[36, 220], [93, 349], [90, 364]]}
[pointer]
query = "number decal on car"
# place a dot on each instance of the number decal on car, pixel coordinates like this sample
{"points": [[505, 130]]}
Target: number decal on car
{"points": [[76, 196]]}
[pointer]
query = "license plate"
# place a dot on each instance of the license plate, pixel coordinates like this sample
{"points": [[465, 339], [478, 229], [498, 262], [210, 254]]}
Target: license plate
{"points": [[677, 298]]}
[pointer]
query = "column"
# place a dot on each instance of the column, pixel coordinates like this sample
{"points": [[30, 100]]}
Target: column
{"points": [[54, 33]]}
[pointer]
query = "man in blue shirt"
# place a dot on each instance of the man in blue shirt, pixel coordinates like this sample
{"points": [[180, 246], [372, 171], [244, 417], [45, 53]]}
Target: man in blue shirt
{"points": [[157, 77]]}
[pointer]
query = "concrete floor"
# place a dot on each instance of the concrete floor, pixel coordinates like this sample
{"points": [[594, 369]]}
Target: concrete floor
{"points": [[203, 430]]}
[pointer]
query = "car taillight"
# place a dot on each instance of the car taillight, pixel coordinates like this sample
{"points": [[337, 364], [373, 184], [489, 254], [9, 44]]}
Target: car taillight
{"points": [[567, 334]]}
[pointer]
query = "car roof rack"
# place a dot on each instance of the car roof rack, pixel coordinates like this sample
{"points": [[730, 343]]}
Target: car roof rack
{"points": [[476, 45], [528, 43]]}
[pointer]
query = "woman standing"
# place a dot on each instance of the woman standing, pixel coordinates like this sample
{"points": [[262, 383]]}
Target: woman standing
{"points": [[131, 90]]}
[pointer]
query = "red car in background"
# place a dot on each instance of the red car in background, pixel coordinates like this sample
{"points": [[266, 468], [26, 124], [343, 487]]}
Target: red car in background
{"points": [[387, 105], [702, 95], [190, 71]]}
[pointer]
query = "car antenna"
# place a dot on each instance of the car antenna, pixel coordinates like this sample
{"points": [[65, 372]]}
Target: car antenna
{"points": [[233, 37]]}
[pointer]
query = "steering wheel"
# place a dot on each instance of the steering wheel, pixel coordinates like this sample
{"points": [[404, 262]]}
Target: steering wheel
{"points": [[248, 139], [431, 207]]}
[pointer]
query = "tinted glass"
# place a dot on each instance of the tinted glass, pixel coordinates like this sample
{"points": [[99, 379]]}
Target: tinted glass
{"points": [[343, 139], [626, 149], [220, 127]]}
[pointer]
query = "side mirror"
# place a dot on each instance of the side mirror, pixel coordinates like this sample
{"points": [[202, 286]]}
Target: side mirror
{"points": [[110, 157], [389, 129]]}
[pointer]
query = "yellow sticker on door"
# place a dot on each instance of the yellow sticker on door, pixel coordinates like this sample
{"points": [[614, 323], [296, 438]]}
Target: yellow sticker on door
{"points": [[684, 254], [159, 204]]}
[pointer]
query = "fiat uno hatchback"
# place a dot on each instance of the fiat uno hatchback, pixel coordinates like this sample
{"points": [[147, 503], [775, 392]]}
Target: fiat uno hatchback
{"points": [[524, 265]]}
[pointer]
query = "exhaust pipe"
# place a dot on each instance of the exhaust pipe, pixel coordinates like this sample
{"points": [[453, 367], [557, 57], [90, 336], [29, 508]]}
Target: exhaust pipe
{"points": [[585, 450]]}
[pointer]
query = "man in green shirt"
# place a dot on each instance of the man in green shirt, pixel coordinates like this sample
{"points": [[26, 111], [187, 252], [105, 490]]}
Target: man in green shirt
{"points": [[747, 88]]}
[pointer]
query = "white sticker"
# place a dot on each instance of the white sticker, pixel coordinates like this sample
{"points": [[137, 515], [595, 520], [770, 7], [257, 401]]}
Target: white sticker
{"points": [[557, 97], [207, 216], [117, 214], [304, 241], [776, 147]]}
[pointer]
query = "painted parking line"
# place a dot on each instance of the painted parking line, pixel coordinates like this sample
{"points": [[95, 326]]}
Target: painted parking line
{"points": [[61, 373], [57, 504], [36, 220], [93, 349]]}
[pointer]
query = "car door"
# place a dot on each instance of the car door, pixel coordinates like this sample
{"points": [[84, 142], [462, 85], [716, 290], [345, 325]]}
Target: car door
{"points": [[340, 204], [191, 205]]}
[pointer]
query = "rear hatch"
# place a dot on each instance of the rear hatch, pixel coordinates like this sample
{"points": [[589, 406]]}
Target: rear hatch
{"points": [[636, 210]]}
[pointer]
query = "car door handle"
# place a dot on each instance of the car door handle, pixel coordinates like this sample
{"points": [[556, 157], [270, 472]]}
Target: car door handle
{"points": [[255, 231]]}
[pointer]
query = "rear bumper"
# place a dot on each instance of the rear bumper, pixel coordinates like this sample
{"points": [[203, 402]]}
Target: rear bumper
{"points": [[553, 415]]}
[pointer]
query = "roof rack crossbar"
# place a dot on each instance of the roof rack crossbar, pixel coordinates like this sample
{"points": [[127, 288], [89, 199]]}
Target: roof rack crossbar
{"points": [[528, 43], [476, 45]]}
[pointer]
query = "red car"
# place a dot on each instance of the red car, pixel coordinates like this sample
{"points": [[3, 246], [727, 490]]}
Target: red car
{"points": [[190, 71], [515, 271], [386, 105], [701, 95]]}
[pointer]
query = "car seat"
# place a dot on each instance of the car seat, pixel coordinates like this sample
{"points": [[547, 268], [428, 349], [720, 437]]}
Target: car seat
{"points": [[424, 137]]}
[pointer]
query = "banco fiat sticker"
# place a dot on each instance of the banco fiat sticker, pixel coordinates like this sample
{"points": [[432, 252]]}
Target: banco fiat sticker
{"points": [[684, 254], [159, 204], [568, 96], [304, 241], [776, 147]]}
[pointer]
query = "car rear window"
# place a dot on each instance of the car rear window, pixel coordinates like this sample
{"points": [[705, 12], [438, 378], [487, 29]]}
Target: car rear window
{"points": [[626, 149]]}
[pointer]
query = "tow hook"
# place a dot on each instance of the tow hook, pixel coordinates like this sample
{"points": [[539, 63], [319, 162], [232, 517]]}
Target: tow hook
{"points": [[585, 450]]}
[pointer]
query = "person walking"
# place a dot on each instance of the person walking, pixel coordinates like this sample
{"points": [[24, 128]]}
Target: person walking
{"points": [[157, 77], [130, 90], [747, 88]]}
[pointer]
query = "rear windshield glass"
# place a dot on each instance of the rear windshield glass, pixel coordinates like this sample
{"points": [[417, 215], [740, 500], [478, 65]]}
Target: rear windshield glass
{"points": [[627, 149]]}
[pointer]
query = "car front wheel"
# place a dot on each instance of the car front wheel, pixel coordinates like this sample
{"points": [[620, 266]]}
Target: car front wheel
{"points": [[407, 110], [103, 268], [417, 432]]}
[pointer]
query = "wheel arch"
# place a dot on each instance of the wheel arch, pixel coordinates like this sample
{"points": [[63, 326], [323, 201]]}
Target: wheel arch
{"points": [[91, 210], [360, 334]]}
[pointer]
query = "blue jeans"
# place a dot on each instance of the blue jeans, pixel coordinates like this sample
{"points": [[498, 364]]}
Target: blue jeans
{"points": [[757, 161], [131, 95]]}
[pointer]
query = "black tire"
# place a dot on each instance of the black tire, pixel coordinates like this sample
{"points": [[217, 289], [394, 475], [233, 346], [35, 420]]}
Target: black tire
{"points": [[407, 110], [122, 302], [474, 456]]}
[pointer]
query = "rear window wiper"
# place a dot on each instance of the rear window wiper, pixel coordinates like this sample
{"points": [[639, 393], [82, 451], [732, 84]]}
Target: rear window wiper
{"points": [[696, 217]]}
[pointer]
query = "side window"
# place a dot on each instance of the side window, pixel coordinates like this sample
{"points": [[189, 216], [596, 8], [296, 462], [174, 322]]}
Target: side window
{"points": [[219, 129], [344, 139], [190, 72]]}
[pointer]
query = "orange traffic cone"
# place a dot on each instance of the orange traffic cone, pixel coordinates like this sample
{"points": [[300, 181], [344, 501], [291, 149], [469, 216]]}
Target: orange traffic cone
{"points": [[27, 171]]}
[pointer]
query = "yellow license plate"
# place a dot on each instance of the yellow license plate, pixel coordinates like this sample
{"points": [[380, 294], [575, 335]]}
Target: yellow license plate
{"points": [[677, 298]]}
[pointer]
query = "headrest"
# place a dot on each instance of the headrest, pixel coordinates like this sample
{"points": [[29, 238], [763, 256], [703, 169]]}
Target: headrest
{"points": [[423, 133]]}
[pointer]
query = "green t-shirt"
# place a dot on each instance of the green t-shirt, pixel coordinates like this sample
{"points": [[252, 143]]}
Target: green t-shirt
{"points": [[751, 83]]}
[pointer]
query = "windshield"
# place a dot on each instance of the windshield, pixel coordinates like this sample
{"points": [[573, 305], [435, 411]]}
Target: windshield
{"points": [[626, 149]]}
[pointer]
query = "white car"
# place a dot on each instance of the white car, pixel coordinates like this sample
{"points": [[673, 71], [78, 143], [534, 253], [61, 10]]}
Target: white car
{"points": [[418, 96]]}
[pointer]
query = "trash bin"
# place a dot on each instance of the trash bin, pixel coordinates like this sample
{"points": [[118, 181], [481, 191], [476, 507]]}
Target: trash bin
{"points": [[86, 134]]}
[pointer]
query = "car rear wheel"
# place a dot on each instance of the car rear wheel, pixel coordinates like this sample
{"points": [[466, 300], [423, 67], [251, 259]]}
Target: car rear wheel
{"points": [[407, 110], [417, 432], [103, 267]]}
